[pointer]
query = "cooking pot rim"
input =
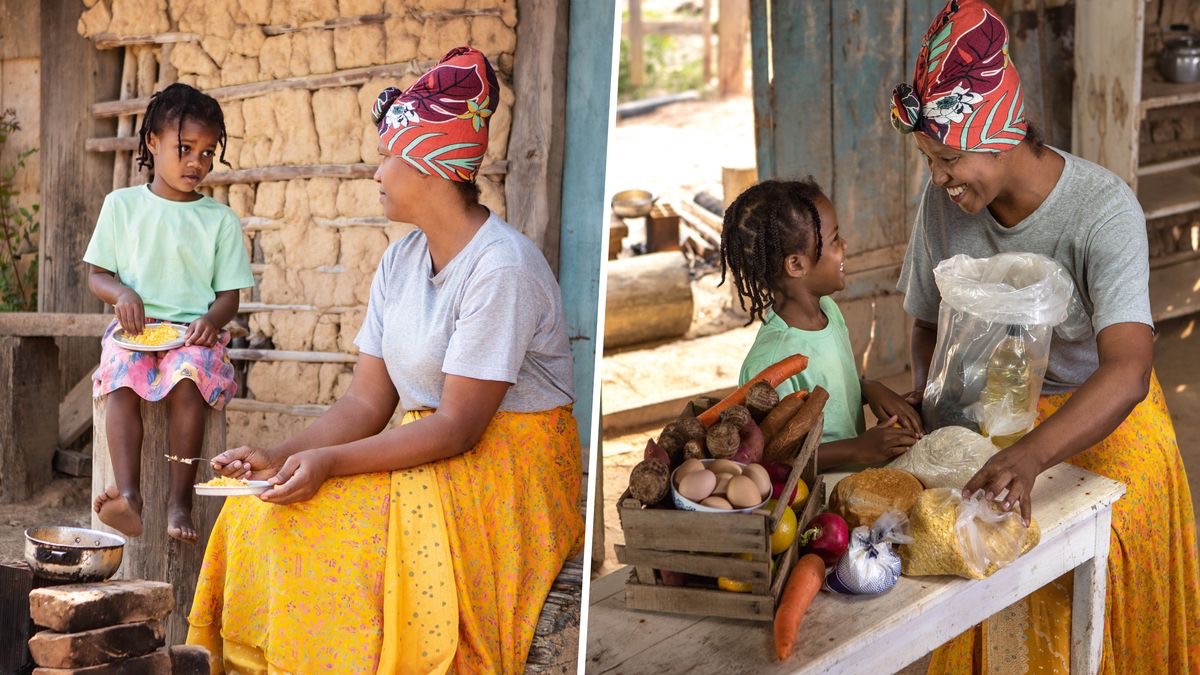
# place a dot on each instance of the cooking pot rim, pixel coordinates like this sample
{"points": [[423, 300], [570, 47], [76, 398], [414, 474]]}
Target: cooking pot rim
{"points": [[117, 540]]}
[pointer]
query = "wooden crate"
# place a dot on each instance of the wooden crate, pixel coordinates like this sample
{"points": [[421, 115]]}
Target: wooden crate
{"points": [[701, 543]]}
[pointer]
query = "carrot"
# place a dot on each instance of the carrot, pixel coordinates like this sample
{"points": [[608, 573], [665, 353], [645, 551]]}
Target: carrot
{"points": [[802, 586], [782, 447], [773, 374], [782, 412]]}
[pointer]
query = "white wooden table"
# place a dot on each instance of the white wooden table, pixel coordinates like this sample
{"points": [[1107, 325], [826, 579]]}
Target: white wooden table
{"points": [[879, 634]]}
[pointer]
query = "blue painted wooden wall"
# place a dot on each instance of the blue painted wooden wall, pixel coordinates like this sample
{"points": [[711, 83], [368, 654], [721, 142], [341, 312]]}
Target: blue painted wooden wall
{"points": [[590, 68]]}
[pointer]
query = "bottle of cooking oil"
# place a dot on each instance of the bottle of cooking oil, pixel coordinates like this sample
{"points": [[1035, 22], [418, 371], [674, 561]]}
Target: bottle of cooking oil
{"points": [[1008, 384]]}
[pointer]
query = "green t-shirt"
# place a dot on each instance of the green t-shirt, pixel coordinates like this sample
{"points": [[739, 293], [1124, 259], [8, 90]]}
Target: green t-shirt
{"points": [[176, 255], [830, 364]]}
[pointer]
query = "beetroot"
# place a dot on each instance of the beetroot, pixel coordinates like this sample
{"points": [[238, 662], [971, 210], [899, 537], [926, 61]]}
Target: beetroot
{"points": [[778, 471], [828, 536]]}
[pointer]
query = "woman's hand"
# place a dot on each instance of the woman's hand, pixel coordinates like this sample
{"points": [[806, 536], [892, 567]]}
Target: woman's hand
{"points": [[247, 462], [1010, 474], [886, 403], [202, 332], [883, 442], [301, 476], [130, 311]]}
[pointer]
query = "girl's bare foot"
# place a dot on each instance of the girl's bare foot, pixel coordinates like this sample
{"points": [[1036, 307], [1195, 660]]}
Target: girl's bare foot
{"points": [[179, 524], [118, 512]]}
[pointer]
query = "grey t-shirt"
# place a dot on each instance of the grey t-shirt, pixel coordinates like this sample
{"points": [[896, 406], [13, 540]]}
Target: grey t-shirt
{"points": [[493, 313], [1091, 223]]}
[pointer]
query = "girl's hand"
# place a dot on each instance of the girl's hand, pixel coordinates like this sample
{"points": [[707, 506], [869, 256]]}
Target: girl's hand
{"points": [[247, 462], [1009, 474], [201, 332], [130, 311], [884, 442], [886, 403], [301, 476]]}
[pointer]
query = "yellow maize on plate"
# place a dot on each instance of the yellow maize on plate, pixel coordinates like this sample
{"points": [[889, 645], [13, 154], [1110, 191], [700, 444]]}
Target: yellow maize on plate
{"points": [[224, 486], [155, 337]]}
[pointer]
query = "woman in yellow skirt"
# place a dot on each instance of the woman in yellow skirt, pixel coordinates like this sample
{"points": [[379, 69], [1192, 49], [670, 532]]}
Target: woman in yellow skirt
{"points": [[996, 187], [429, 547]]}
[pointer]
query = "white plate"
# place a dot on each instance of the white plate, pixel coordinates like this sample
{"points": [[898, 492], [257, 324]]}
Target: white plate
{"points": [[121, 339], [253, 487]]}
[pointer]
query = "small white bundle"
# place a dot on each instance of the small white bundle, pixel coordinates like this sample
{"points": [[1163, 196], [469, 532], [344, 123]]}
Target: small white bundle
{"points": [[948, 457]]}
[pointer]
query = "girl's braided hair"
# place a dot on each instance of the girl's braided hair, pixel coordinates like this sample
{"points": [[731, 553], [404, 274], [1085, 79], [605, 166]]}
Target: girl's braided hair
{"points": [[179, 102], [768, 222]]}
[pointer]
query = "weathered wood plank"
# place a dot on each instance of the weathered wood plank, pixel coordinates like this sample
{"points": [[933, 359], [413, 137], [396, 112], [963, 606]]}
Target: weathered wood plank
{"points": [[533, 184], [555, 647], [1108, 47], [19, 34], [1175, 290], [733, 20], [154, 556], [300, 409], [652, 414], [32, 324], [75, 411], [801, 46], [112, 40], [28, 415], [73, 186], [73, 462], [760, 58], [16, 581], [917, 17]]}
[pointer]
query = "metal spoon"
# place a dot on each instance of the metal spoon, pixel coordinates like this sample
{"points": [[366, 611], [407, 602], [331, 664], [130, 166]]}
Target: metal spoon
{"points": [[185, 460]]}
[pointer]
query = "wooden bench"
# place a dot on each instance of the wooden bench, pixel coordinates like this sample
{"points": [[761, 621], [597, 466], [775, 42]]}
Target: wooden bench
{"points": [[555, 647]]}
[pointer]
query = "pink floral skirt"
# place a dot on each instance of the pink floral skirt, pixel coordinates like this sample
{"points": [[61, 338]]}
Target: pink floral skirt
{"points": [[152, 374]]}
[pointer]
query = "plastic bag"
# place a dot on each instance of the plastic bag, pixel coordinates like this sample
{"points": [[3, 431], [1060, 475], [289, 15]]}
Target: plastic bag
{"points": [[969, 538], [948, 457], [991, 308], [870, 564]]}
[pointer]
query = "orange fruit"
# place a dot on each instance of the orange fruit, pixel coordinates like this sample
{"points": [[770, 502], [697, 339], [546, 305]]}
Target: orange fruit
{"points": [[801, 496], [785, 531], [727, 584]]}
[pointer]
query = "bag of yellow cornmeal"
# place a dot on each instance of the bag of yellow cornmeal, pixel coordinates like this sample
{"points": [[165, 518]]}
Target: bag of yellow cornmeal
{"points": [[969, 538]]}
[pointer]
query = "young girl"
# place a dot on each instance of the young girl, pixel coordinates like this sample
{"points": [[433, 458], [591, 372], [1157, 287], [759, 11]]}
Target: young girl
{"points": [[781, 245], [165, 252]]}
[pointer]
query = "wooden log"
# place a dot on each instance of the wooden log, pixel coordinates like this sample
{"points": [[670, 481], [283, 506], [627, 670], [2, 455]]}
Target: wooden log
{"points": [[112, 40], [28, 415], [735, 180], [649, 298], [298, 409], [121, 162], [154, 556], [16, 581], [73, 463], [73, 186], [555, 647], [637, 36], [294, 356]]}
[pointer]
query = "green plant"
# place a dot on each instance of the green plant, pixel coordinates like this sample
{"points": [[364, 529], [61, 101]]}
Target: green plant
{"points": [[18, 276], [670, 68]]}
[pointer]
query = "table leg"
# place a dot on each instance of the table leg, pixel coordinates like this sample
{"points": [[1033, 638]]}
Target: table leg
{"points": [[1087, 605]]}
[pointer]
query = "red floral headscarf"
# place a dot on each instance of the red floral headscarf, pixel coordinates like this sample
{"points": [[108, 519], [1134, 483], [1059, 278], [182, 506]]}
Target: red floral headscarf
{"points": [[440, 124], [966, 92]]}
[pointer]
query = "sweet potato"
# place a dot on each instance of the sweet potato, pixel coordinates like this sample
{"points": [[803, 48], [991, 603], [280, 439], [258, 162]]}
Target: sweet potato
{"points": [[774, 375], [781, 413], [750, 449], [784, 445]]}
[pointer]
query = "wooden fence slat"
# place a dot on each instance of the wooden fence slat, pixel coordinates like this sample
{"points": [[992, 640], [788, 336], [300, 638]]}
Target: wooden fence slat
{"points": [[75, 411], [800, 48]]}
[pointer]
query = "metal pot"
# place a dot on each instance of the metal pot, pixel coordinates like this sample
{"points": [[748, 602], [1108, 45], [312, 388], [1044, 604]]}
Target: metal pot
{"points": [[633, 203], [1180, 59], [73, 553]]}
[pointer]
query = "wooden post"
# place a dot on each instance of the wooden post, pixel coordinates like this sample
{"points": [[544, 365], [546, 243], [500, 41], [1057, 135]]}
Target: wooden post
{"points": [[155, 556], [28, 415], [733, 28], [735, 180], [637, 37], [706, 31], [73, 182], [598, 501]]}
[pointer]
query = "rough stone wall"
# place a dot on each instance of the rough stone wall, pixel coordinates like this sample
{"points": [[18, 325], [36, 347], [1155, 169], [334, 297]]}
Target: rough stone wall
{"points": [[302, 235]]}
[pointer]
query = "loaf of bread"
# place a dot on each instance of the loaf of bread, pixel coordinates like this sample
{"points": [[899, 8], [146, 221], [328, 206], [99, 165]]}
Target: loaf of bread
{"points": [[862, 497]]}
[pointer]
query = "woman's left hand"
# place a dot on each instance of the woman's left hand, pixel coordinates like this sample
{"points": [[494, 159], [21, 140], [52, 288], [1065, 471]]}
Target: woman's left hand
{"points": [[300, 477], [201, 332], [1011, 470]]}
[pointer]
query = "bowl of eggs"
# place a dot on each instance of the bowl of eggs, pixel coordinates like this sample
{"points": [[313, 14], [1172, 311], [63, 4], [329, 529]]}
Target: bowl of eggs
{"points": [[720, 486]]}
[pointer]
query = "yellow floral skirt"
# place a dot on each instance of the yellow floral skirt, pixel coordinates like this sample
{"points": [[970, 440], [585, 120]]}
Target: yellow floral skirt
{"points": [[426, 570], [1152, 607]]}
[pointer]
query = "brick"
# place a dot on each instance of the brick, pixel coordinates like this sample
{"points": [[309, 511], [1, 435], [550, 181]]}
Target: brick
{"points": [[95, 647], [154, 663], [189, 660], [79, 607]]}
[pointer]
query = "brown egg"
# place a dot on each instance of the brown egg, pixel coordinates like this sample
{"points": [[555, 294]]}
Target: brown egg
{"points": [[725, 466], [743, 493], [697, 485], [722, 483], [717, 503], [760, 477], [689, 466]]}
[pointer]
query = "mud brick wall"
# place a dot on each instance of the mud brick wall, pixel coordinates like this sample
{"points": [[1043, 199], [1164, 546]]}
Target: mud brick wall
{"points": [[313, 241]]}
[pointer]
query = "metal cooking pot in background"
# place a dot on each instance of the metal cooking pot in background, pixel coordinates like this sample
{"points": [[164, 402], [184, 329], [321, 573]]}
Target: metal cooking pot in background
{"points": [[633, 203], [1180, 59], [73, 553]]}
